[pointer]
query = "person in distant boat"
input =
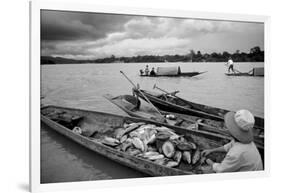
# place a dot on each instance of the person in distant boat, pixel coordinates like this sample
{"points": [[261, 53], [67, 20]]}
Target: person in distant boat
{"points": [[242, 153], [146, 71], [141, 72], [152, 72], [230, 64]]}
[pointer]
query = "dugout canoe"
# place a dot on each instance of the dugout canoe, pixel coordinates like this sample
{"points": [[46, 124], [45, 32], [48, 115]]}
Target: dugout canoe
{"points": [[179, 105], [258, 71], [96, 125], [128, 102], [239, 74], [182, 74]]}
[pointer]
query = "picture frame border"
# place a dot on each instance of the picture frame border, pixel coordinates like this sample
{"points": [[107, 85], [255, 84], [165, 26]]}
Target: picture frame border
{"points": [[34, 99]]}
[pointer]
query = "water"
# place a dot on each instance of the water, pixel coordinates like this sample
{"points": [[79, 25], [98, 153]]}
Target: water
{"points": [[82, 86]]}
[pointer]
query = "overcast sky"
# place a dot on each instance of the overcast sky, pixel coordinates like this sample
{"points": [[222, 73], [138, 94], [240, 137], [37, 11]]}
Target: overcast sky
{"points": [[88, 35]]}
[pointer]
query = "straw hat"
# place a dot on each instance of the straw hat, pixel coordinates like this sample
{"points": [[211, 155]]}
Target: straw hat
{"points": [[240, 125]]}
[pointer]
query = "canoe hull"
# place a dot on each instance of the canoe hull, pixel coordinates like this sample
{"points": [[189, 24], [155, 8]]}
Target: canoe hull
{"points": [[242, 74], [190, 108], [208, 125], [183, 74], [123, 158]]}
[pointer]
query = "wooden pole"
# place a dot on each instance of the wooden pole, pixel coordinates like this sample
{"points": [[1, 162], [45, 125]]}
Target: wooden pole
{"points": [[140, 92], [164, 90]]}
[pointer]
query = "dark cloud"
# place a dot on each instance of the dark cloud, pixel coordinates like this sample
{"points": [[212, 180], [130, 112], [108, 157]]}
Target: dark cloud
{"points": [[94, 35], [62, 25]]}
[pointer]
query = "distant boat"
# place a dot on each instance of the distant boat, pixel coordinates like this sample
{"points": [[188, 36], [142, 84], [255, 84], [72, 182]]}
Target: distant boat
{"points": [[172, 72], [253, 72]]}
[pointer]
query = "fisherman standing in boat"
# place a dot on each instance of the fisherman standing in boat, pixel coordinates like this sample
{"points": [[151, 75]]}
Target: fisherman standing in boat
{"points": [[230, 64], [242, 153], [146, 71]]}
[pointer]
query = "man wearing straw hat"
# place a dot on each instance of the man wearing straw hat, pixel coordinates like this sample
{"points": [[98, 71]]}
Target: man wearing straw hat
{"points": [[242, 153]]}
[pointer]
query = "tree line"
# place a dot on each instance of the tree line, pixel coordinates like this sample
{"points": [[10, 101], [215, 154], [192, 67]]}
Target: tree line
{"points": [[255, 55]]}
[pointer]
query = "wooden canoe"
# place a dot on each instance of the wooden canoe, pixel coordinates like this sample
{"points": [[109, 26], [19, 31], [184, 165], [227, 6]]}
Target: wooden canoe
{"points": [[242, 74], [180, 105], [96, 125], [239, 74], [182, 74], [128, 102]]}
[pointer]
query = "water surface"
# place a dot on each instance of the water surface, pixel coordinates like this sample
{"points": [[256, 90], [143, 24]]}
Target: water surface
{"points": [[82, 86]]}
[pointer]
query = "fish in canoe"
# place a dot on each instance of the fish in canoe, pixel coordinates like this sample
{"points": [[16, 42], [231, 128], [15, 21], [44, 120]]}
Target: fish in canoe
{"points": [[98, 134], [128, 102]]}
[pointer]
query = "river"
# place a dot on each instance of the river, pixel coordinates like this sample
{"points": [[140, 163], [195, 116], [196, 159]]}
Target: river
{"points": [[82, 86]]}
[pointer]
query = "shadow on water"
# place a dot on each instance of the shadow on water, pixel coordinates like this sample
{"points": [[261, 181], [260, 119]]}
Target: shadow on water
{"points": [[63, 160]]}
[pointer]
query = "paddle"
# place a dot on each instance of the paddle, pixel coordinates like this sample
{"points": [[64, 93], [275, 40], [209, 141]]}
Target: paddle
{"points": [[140, 92]]}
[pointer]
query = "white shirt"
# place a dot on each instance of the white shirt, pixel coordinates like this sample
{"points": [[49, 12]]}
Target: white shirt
{"points": [[239, 157], [230, 62]]}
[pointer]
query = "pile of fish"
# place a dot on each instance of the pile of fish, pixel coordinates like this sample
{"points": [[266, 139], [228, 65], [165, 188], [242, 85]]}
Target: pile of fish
{"points": [[158, 144]]}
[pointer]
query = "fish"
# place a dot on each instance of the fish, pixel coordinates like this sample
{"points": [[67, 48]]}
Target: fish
{"points": [[133, 152], [125, 146], [162, 135], [196, 156], [110, 141], [130, 140], [193, 145], [173, 137], [172, 164], [162, 128], [152, 139], [150, 148], [168, 149], [131, 127], [119, 132], [162, 161], [155, 157], [138, 144], [150, 153], [123, 139], [186, 156], [177, 157], [147, 126], [134, 134], [186, 146]]}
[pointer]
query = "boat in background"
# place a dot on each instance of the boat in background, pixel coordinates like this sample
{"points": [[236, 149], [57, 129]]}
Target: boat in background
{"points": [[171, 72], [253, 72]]}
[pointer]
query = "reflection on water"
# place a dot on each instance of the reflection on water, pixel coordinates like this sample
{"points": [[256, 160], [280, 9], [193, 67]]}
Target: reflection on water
{"points": [[82, 86]]}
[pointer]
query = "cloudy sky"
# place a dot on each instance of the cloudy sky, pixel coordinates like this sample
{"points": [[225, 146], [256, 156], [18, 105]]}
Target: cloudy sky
{"points": [[89, 35]]}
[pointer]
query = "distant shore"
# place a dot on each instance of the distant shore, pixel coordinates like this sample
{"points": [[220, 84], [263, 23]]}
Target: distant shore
{"points": [[255, 55]]}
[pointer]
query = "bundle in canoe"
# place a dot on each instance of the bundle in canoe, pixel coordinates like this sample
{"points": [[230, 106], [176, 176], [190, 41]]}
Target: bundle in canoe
{"points": [[103, 133], [128, 102]]}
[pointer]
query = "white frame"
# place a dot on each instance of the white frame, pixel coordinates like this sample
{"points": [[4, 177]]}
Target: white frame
{"points": [[35, 7]]}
